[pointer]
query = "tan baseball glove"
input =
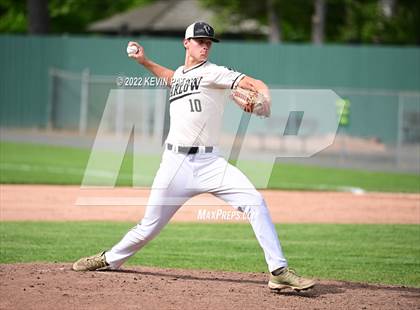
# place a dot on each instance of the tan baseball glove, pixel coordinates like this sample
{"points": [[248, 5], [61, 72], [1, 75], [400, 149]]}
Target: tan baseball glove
{"points": [[252, 101]]}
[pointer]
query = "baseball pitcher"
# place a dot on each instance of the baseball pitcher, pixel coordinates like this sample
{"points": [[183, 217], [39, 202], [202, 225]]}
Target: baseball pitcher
{"points": [[191, 164]]}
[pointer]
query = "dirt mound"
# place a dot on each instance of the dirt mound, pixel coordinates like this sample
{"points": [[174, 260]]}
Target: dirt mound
{"points": [[56, 286]]}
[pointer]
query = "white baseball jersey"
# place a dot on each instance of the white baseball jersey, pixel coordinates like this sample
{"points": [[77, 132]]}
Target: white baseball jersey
{"points": [[197, 99]]}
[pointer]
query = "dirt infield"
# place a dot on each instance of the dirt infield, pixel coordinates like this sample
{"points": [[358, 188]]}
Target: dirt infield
{"points": [[55, 286], [65, 203]]}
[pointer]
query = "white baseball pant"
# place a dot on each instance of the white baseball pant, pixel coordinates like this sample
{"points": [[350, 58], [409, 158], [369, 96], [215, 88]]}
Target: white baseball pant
{"points": [[180, 177]]}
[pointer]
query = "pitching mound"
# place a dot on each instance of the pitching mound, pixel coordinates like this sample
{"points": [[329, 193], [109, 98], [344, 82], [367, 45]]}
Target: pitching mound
{"points": [[56, 286]]}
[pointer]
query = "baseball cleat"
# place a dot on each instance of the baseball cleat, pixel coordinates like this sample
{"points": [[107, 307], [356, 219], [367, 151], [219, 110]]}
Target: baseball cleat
{"points": [[91, 263], [289, 279]]}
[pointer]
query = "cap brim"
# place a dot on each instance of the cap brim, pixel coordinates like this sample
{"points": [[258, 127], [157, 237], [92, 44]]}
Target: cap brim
{"points": [[204, 37]]}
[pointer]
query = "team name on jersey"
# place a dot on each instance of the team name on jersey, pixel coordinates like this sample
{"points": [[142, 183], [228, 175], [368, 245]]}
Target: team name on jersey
{"points": [[182, 87]]}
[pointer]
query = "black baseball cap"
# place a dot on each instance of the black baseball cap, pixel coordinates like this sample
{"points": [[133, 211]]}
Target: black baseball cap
{"points": [[200, 30]]}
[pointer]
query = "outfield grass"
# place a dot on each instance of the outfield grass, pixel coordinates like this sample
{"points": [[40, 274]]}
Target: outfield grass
{"points": [[42, 164], [387, 254]]}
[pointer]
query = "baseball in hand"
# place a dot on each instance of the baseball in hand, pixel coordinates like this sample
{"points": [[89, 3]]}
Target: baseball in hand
{"points": [[132, 49]]}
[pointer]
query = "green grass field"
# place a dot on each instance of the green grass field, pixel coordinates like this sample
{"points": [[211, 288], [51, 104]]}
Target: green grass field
{"points": [[387, 254], [30, 163]]}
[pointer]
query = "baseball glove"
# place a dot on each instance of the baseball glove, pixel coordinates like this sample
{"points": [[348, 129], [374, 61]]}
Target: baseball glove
{"points": [[251, 101]]}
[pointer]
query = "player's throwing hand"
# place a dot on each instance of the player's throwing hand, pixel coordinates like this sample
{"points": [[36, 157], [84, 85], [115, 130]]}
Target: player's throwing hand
{"points": [[136, 51]]}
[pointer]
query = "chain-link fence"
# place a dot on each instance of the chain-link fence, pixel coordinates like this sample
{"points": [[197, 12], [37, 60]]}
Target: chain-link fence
{"points": [[380, 131]]}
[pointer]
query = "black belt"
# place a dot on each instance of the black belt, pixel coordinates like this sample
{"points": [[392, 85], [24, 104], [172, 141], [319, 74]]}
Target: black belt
{"points": [[189, 149]]}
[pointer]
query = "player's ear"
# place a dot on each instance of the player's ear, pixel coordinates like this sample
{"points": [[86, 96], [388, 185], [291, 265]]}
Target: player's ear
{"points": [[186, 43]]}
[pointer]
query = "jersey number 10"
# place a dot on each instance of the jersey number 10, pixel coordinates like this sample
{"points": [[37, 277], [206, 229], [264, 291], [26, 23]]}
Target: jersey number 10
{"points": [[195, 106]]}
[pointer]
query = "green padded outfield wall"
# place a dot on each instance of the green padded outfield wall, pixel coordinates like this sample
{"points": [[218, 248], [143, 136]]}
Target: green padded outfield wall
{"points": [[370, 77]]}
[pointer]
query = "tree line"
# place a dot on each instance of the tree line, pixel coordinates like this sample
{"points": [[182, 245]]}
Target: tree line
{"points": [[318, 21]]}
